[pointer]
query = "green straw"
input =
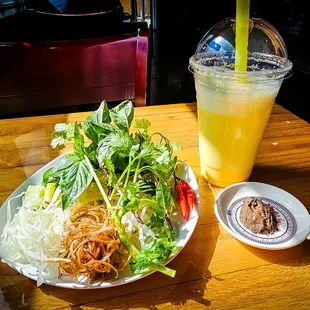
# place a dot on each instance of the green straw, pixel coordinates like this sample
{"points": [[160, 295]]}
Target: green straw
{"points": [[242, 34]]}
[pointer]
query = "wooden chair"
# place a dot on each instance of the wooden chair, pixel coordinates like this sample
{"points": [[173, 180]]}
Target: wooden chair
{"points": [[38, 76]]}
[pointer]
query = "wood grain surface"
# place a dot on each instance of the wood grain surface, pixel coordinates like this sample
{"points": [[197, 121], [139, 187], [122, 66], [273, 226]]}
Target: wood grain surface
{"points": [[214, 270]]}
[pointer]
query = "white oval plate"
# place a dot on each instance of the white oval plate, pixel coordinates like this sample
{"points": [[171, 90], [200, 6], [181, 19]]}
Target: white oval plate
{"points": [[293, 218], [183, 232]]}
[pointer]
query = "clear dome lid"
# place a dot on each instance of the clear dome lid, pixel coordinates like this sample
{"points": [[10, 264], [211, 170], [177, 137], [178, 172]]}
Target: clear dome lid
{"points": [[267, 54], [263, 38]]}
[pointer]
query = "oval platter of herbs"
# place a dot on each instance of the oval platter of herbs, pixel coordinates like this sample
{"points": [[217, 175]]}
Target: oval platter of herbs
{"points": [[118, 208]]}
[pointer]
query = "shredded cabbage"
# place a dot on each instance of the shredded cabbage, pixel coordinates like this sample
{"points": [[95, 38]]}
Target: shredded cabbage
{"points": [[34, 234], [139, 233]]}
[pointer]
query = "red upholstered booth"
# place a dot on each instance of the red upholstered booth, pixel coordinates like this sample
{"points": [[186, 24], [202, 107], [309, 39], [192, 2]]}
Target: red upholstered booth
{"points": [[36, 76]]}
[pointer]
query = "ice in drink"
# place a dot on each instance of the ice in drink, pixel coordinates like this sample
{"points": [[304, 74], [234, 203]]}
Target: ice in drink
{"points": [[232, 119]]}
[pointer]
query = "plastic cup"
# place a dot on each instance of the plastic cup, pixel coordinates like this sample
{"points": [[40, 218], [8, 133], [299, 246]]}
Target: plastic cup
{"points": [[233, 111]]}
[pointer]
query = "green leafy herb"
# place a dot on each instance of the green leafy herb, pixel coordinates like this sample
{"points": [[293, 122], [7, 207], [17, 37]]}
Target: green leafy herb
{"points": [[73, 177], [142, 124], [137, 168], [158, 157], [48, 176], [153, 256], [109, 166], [164, 197], [62, 132], [91, 152], [129, 200], [100, 116], [177, 146], [97, 125], [116, 146], [122, 115], [78, 146], [96, 132], [146, 187]]}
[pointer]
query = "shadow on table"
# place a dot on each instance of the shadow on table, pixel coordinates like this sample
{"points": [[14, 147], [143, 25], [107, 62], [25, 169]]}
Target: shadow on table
{"points": [[293, 180], [288, 257], [263, 173]]}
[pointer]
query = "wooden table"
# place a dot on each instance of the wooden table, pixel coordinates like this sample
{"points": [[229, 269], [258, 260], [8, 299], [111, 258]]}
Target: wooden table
{"points": [[214, 269]]}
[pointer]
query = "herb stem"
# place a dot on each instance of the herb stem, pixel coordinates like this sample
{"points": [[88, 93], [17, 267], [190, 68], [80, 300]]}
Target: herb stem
{"points": [[120, 228], [148, 201], [118, 182], [163, 269], [149, 168], [104, 195], [128, 172], [124, 237], [137, 171]]}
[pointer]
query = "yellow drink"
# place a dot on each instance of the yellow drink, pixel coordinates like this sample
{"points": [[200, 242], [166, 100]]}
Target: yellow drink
{"points": [[232, 118], [236, 87]]}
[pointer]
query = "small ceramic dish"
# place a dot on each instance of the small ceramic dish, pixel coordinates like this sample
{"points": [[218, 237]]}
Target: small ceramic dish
{"points": [[293, 219]]}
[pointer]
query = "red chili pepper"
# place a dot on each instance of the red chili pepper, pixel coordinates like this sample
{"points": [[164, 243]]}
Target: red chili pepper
{"points": [[189, 193], [183, 202]]}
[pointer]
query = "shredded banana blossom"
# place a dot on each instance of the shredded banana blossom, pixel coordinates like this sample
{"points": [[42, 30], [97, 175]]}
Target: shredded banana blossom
{"points": [[92, 244]]}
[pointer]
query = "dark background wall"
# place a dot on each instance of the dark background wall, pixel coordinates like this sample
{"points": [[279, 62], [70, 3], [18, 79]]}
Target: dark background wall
{"points": [[181, 24], [177, 27]]}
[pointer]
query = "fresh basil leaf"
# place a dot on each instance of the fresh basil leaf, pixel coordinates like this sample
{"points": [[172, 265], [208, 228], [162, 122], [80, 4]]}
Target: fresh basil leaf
{"points": [[96, 132], [122, 115], [78, 145], [163, 197], [98, 118], [91, 152], [74, 181], [63, 165], [101, 115], [73, 176]]}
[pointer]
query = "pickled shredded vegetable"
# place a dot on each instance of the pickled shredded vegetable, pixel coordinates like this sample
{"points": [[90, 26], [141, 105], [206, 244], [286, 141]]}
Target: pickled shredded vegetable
{"points": [[92, 247], [33, 236]]}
